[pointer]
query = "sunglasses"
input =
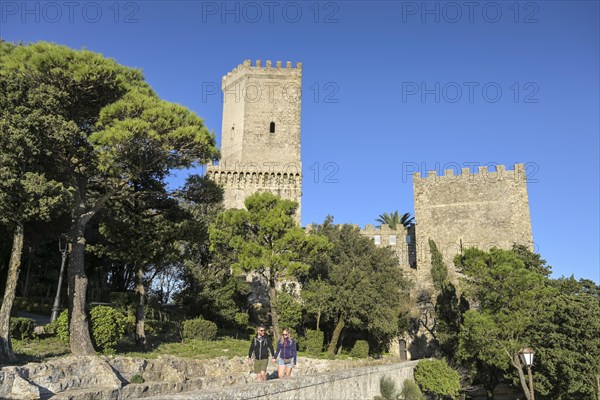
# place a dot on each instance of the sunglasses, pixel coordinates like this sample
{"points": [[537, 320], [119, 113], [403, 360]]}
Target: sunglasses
{"points": [[261, 330], [285, 334]]}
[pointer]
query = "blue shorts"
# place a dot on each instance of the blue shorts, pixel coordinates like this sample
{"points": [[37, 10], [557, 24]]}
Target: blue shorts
{"points": [[281, 362]]}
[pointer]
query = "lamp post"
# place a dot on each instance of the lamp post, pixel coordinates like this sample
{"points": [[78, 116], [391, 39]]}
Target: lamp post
{"points": [[62, 247], [527, 358]]}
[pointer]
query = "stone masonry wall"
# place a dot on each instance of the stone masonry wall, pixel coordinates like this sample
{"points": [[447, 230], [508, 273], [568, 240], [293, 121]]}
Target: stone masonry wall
{"points": [[481, 210], [254, 159], [357, 383], [396, 239], [169, 377]]}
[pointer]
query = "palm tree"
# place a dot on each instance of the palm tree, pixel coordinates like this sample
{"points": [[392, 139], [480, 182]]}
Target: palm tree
{"points": [[394, 219]]}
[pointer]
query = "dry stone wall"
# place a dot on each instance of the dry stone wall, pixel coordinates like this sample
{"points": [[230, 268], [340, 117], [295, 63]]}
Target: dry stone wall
{"points": [[100, 377]]}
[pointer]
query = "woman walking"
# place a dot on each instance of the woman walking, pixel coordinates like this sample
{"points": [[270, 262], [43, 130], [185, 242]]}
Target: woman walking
{"points": [[285, 354]]}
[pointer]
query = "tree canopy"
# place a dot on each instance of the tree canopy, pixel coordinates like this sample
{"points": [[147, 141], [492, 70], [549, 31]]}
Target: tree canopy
{"points": [[264, 239], [365, 280], [111, 132]]}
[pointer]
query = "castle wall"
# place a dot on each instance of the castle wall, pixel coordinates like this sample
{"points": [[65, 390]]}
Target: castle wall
{"points": [[232, 128], [483, 210], [404, 247], [239, 183]]}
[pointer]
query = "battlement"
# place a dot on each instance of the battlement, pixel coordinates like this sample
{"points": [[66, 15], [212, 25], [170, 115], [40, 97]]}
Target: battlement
{"points": [[246, 68], [383, 228], [369, 228], [483, 173]]}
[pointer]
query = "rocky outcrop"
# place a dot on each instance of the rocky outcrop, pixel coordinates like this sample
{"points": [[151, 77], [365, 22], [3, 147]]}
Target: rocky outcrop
{"points": [[100, 377]]}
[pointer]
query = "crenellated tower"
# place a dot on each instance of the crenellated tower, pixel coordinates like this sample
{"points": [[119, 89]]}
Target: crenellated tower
{"points": [[458, 211], [260, 136]]}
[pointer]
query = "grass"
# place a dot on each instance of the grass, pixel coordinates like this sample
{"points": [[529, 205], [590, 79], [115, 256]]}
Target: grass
{"points": [[197, 348], [39, 349]]}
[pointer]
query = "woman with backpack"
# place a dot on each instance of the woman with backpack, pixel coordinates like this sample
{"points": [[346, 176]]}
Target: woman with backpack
{"points": [[285, 354]]}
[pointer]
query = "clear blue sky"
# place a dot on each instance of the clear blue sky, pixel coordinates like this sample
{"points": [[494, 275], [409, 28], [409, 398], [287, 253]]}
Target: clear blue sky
{"points": [[528, 75]]}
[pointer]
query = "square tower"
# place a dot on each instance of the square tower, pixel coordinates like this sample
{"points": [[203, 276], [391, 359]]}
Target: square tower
{"points": [[484, 210], [260, 137]]}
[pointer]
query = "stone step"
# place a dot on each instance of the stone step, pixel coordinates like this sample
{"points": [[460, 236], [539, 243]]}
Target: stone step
{"points": [[93, 393]]}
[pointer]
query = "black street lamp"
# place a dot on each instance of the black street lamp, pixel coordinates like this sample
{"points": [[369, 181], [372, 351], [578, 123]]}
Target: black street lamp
{"points": [[527, 358], [62, 247]]}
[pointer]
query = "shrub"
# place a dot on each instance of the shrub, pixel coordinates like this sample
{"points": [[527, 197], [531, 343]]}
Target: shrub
{"points": [[387, 387], [314, 342], [167, 329], [151, 326], [301, 343], [60, 326], [199, 329], [360, 349], [108, 326], [129, 324], [137, 378], [21, 328], [411, 391], [241, 320], [436, 377]]}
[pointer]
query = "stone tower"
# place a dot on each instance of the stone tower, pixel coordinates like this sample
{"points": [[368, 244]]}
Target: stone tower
{"points": [[260, 136], [483, 210]]}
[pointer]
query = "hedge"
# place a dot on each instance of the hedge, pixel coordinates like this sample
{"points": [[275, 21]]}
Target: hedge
{"points": [[360, 349], [21, 328], [199, 329]]}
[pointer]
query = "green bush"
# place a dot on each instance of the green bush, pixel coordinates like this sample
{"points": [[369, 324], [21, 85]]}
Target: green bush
{"points": [[60, 326], [301, 343], [387, 387], [436, 377], [168, 329], [314, 342], [241, 319], [137, 378], [411, 391], [21, 328], [107, 327], [151, 326], [360, 349], [199, 329], [129, 325]]}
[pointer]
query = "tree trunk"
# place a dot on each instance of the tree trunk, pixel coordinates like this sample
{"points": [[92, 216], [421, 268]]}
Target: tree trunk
{"points": [[274, 311], [140, 290], [318, 320], [336, 335], [517, 364], [79, 332], [6, 353], [28, 274]]}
